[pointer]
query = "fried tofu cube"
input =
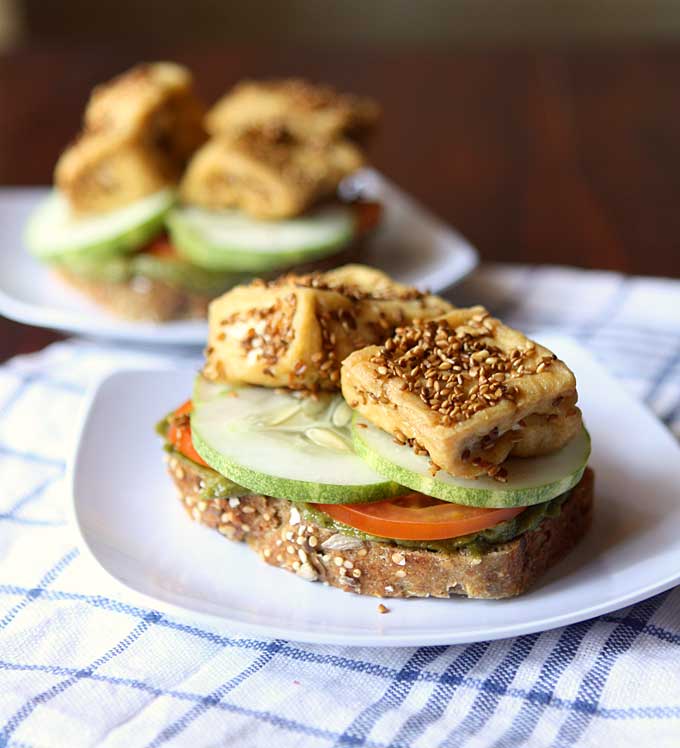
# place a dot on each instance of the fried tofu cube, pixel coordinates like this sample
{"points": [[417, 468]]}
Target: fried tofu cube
{"points": [[465, 389], [267, 175], [100, 173], [296, 331], [310, 112], [139, 131]]}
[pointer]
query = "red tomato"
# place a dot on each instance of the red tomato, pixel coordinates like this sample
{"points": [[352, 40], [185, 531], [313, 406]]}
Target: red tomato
{"points": [[160, 247], [179, 434], [415, 516], [367, 215]]}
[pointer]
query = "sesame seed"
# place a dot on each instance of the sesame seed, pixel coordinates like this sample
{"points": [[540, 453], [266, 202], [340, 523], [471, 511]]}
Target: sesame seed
{"points": [[400, 574], [383, 609], [455, 371]]}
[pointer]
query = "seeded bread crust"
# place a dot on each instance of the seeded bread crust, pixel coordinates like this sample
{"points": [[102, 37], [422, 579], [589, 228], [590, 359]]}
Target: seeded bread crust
{"points": [[147, 300], [274, 529], [140, 299]]}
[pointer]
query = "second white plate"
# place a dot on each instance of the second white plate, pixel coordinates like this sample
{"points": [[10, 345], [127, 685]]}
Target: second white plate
{"points": [[412, 245], [134, 526]]}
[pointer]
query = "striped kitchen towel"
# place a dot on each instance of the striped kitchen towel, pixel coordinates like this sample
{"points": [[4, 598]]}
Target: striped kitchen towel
{"points": [[81, 665]]}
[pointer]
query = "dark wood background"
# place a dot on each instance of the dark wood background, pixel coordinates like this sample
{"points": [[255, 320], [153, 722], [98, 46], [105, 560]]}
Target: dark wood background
{"points": [[566, 157]]}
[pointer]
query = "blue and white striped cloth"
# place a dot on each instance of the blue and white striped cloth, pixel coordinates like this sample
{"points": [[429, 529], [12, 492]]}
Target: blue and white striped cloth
{"points": [[81, 666]]}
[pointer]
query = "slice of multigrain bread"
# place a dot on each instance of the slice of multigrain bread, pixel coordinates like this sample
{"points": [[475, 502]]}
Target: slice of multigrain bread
{"points": [[140, 299], [275, 529]]}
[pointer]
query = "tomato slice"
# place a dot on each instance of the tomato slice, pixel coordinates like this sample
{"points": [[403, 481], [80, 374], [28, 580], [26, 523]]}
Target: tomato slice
{"points": [[160, 247], [367, 215], [179, 433], [415, 516]]}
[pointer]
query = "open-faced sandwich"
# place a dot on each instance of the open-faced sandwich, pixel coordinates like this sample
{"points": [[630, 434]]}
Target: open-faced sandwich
{"points": [[358, 432], [246, 188]]}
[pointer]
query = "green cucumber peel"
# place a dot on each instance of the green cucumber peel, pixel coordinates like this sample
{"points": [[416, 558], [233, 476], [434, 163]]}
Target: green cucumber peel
{"points": [[231, 241], [279, 445], [53, 233], [530, 481]]}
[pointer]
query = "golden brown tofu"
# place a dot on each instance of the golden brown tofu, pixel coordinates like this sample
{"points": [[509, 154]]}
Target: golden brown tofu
{"points": [[467, 390], [99, 173], [267, 175], [310, 112], [139, 131], [296, 331]]}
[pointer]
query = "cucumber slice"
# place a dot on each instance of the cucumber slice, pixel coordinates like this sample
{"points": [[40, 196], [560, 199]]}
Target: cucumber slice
{"points": [[230, 240], [53, 232], [278, 445], [530, 480], [169, 270], [181, 274]]}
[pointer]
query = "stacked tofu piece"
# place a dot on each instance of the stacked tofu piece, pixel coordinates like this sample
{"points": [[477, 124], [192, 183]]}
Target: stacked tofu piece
{"points": [[277, 148], [296, 331], [139, 131], [466, 390]]}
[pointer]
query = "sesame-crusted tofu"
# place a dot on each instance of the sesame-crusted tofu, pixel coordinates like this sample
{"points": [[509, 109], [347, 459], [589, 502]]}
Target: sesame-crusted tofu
{"points": [[269, 175], [310, 112], [102, 172], [295, 332], [139, 131], [467, 390]]}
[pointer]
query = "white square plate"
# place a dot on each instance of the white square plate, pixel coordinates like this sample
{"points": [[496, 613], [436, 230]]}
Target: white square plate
{"points": [[134, 526], [411, 244]]}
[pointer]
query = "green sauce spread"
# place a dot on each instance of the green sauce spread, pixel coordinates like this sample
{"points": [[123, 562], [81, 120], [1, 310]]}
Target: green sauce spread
{"points": [[171, 271], [214, 485], [474, 544]]}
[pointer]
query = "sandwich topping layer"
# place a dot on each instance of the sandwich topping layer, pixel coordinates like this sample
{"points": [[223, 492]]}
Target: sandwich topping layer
{"points": [[215, 487]]}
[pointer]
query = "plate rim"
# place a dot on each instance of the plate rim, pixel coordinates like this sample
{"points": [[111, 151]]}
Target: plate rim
{"points": [[274, 631]]}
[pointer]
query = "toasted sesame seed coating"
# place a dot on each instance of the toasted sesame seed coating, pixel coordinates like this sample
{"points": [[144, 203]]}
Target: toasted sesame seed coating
{"points": [[466, 391]]}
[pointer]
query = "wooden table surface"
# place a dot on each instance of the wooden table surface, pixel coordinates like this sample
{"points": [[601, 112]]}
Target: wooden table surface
{"points": [[564, 157]]}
